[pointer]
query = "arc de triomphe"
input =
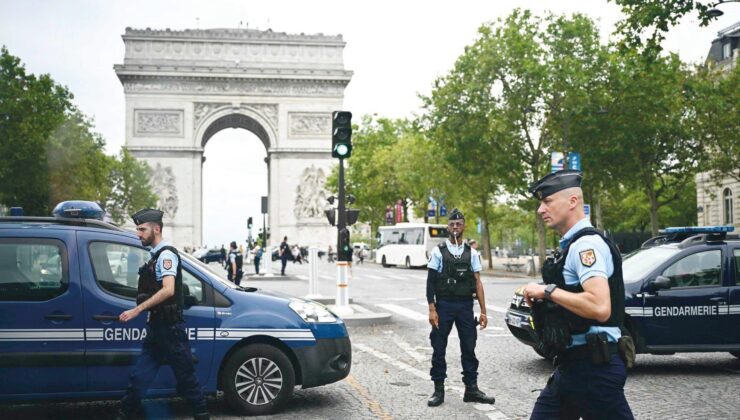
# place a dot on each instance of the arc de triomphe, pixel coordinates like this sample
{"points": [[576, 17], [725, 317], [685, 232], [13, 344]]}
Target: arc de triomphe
{"points": [[182, 87]]}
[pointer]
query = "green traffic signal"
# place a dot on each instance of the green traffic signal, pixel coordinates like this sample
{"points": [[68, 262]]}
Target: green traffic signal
{"points": [[341, 134]]}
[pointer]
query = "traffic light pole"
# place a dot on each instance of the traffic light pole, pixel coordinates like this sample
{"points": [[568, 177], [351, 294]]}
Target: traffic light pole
{"points": [[341, 305]]}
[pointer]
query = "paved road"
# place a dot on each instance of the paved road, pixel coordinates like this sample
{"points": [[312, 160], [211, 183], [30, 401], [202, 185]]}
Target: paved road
{"points": [[389, 377]]}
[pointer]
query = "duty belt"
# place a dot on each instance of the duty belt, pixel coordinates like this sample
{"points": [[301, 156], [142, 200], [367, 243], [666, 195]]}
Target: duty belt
{"points": [[580, 353]]}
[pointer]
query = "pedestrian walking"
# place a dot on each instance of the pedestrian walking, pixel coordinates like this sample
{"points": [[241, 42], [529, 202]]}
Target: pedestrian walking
{"points": [[284, 254], [235, 263], [453, 282], [257, 252], [296, 252], [222, 257], [330, 254], [578, 312], [160, 292]]}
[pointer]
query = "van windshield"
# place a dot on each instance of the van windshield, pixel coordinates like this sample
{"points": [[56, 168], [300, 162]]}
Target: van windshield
{"points": [[638, 264], [216, 277]]}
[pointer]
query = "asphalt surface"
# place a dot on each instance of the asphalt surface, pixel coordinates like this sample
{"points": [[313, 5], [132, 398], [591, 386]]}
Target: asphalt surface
{"points": [[390, 370]]}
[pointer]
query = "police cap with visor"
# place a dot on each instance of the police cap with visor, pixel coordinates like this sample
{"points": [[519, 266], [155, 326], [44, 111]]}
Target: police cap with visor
{"points": [[554, 182], [456, 215], [147, 215]]}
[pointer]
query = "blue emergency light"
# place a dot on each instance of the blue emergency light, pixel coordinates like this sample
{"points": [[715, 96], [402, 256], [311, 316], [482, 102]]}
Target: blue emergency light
{"points": [[699, 229], [78, 210]]}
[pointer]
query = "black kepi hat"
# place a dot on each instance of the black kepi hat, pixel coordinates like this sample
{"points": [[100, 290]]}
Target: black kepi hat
{"points": [[555, 182], [147, 215], [456, 214]]}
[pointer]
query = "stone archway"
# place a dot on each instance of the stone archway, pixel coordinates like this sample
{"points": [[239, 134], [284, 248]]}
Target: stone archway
{"points": [[182, 87]]}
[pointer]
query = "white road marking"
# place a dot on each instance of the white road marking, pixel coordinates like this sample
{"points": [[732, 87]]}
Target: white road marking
{"points": [[391, 276], [411, 351], [302, 277], [496, 309], [491, 411], [404, 300], [370, 276], [400, 310]]}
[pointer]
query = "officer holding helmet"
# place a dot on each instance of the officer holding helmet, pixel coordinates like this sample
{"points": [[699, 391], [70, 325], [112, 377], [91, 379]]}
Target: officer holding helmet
{"points": [[453, 282], [578, 312], [160, 292]]}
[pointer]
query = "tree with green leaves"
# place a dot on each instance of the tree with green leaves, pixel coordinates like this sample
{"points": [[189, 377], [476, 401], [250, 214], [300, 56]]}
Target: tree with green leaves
{"points": [[513, 97], [130, 187], [647, 22], [31, 109]]}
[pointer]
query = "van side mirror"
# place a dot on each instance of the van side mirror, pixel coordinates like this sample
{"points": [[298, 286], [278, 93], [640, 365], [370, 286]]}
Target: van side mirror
{"points": [[660, 283]]}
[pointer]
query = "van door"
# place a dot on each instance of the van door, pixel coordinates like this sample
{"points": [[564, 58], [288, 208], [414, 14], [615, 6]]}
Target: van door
{"points": [[111, 278], [733, 309], [692, 311], [41, 326]]}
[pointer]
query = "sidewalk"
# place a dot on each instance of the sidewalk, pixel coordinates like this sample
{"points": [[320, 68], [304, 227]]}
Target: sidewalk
{"points": [[510, 267]]}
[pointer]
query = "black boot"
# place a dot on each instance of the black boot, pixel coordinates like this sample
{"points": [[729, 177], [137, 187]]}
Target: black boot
{"points": [[473, 394], [439, 394]]}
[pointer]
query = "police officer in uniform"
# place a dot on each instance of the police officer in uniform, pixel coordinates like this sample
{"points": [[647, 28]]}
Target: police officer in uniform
{"points": [[453, 282], [578, 312], [160, 292], [234, 264]]}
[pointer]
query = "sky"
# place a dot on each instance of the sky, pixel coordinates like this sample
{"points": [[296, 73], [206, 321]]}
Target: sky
{"points": [[396, 50]]}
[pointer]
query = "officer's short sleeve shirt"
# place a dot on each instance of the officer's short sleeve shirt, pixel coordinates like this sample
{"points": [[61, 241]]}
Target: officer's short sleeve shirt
{"points": [[232, 257], [435, 260], [166, 263], [588, 257]]}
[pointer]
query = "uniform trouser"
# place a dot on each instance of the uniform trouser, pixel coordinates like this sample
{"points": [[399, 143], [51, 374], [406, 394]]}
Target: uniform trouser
{"points": [[256, 265], [581, 389], [284, 262], [164, 343], [461, 314]]}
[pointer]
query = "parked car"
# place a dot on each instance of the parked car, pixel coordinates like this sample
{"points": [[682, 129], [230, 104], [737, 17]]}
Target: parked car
{"points": [[212, 255], [682, 294], [60, 298]]}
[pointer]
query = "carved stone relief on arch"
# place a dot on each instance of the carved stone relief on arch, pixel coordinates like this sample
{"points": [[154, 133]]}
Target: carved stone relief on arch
{"points": [[163, 185], [310, 201]]}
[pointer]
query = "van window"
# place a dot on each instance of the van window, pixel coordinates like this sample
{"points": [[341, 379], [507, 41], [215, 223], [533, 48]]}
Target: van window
{"points": [[116, 268], [32, 269], [699, 269]]}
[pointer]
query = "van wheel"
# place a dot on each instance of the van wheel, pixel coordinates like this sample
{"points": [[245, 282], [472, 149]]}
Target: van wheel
{"points": [[383, 263], [258, 380], [408, 262], [542, 354], [735, 353]]}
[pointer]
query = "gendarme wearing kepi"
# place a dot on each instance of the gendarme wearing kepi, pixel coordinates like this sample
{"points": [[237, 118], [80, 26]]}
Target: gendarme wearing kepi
{"points": [[578, 312], [160, 292]]}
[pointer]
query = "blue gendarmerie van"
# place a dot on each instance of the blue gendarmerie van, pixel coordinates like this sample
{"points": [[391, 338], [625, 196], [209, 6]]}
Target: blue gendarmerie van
{"points": [[682, 293], [65, 280]]}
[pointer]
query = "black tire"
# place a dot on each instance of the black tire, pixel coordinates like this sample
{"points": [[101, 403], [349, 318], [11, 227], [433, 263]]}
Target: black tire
{"points": [[383, 263], [246, 387], [408, 262], [735, 353], [541, 354]]}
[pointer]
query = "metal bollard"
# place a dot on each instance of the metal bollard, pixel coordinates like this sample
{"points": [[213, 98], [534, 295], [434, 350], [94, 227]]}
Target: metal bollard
{"points": [[267, 258], [341, 305], [313, 274]]}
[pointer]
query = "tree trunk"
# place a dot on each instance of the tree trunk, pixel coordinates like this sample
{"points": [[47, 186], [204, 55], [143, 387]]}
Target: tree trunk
{"points": [[540, 240], [650, 189], [486, 237], [598, 214]]}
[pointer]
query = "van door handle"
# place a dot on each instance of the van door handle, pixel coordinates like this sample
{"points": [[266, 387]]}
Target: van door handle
{"points": [[58, 317], [718, 299], [105, 317]]}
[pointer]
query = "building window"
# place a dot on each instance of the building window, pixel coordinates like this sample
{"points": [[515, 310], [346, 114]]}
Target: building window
{"points": [[727, 201], [726, 50]]}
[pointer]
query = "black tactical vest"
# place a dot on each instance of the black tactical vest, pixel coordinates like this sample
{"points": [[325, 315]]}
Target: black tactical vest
{"points": [[171, 309], [456, 281], [552, 272], [238, 259]]}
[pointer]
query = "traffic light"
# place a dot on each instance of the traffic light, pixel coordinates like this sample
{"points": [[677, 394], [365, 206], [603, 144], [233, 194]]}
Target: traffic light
{"points": [[249, 222], [344, 251], [341, 134], [352, 215], [331, 215]]}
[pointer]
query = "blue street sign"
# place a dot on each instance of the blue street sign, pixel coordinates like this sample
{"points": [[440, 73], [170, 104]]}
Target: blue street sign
{"points": [[443, 210], [556, 160], [431, 212], [574, 161], [587, 210], [431, 208]]}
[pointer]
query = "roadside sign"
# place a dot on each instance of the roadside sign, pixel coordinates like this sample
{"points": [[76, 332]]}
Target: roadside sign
{"points": [[587, 210], [556, 160], [574, 161], [443, 210]]}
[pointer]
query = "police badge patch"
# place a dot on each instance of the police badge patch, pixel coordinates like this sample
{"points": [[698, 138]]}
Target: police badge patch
{"points": [[588, 257], [167, 264]]}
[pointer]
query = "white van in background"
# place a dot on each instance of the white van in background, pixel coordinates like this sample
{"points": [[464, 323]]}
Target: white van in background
{"points": [[408, 244]]}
